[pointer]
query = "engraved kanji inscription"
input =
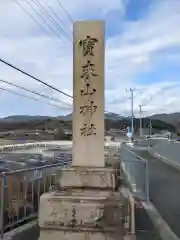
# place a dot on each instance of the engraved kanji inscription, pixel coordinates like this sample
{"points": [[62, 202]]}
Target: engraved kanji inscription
{"points": [[89, 108], [73, 221], [87, 45], [88, 130], [87, 90], [88, 70]]}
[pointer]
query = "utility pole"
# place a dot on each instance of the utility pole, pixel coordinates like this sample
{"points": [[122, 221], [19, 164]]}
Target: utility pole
{"points": [[140, 120], [132, 109], [150, 128]]}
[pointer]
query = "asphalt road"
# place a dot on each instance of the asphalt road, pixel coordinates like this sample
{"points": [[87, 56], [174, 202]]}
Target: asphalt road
{"points": [[164, 187]]}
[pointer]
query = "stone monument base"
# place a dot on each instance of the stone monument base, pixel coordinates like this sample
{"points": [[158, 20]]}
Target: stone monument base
{"points": [[85, 206], [79, 235], [88, 177]]}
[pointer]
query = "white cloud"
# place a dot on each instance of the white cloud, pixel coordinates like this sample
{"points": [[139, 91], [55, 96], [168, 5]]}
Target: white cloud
{"points": [[156, 97], [81, 7], [127, 54]]}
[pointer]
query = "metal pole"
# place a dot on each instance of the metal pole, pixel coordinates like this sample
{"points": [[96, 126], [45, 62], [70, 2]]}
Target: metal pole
{"points": [[147, 182], [132, 112], [150, 130], [3, 184], [140, 119], [132, 121]]}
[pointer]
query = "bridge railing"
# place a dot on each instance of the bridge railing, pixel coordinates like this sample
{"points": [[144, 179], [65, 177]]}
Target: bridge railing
{"points": [[36, 145], [20, 190], [134, 172], [20, 193]]}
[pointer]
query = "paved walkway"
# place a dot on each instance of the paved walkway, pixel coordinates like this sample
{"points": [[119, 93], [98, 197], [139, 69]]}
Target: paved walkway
{"points": [[146, 236], [164, 184]]}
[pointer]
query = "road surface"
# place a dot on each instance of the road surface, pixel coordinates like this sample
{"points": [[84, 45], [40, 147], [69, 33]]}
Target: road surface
{"points": [[164, 187]]}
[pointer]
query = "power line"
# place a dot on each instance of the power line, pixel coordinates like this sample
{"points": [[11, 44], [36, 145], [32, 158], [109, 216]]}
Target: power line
{"points": [[32, 98], [69, 16], [149, 100], [49, 26], [56, 24], [30, 16], [36, 79], [34, 92], [34, 19], [54, 12]]}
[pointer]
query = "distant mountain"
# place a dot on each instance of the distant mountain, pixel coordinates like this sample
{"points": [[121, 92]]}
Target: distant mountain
{"points": [[27, 118], [110, 116], [172, 118], [112, 121], [65, 117], [22, 118], [113, 116]]}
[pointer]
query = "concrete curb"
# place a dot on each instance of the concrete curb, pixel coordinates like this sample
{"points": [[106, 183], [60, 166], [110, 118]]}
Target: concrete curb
{"points": [[20, 232], [165, 160], [161, 226], [136, 147]]}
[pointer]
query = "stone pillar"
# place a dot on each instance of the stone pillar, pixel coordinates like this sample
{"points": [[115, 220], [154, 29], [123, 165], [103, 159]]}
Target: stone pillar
{"points": [[88, 92], [85, 205]]}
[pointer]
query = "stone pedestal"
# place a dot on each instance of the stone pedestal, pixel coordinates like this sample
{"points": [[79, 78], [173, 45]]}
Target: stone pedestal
{"points": [[82, 209], [96, 211], [82, 235], [83, 177]]}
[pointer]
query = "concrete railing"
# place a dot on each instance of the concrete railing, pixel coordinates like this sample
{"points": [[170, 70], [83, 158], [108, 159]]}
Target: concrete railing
{"points": [[51, 143], [132, 167], [37, 144]]}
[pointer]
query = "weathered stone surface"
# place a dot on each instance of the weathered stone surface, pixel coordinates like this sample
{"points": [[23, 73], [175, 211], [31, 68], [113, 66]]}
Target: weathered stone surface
{"points": [[88, 92], [77, 213], [94, 209], [88, 177], [85, 205], [81, 235], [79, 207]]}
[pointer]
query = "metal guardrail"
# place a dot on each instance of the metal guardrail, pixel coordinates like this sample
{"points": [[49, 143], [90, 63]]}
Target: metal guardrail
{"points": [[20, 193], [20, 190], [134, 171], [129, 213]]}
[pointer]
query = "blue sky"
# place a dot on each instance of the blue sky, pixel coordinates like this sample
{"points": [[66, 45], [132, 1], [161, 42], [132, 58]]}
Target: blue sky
{"points": [[142, 52]]}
